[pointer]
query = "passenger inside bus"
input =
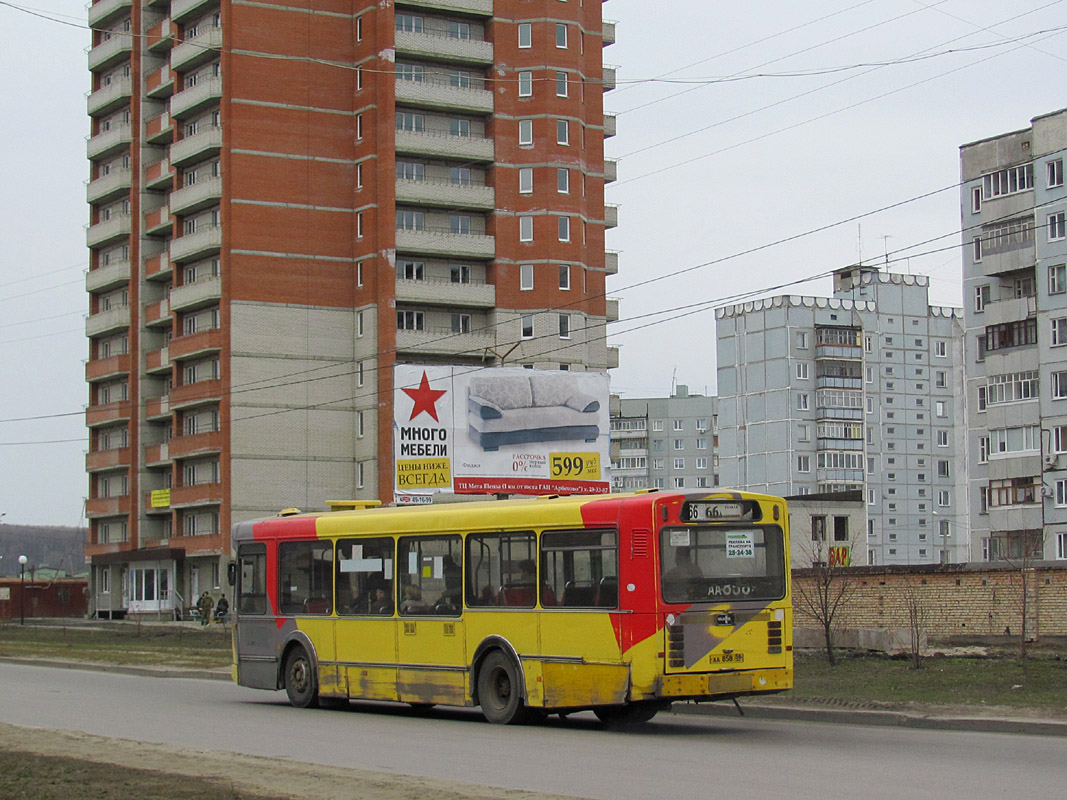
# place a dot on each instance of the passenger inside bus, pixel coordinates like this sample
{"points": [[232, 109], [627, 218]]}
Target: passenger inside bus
{"points": [[677, 580], [412, 603], [379, 601]]}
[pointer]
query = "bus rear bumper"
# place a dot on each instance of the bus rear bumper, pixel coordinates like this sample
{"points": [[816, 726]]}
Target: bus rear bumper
{"points": [[725, 684]]}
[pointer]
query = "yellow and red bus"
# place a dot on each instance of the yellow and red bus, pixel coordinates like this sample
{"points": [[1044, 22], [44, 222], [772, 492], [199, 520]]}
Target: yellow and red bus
{"points": [[620, 604]]}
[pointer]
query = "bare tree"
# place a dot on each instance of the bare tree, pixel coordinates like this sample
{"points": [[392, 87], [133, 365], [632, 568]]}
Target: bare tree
{"points": [[827, 584], [1021, 551], [918, 616]]}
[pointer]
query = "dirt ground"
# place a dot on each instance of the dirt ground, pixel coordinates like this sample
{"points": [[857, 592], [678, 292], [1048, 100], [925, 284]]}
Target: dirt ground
{"points": [[38, 764]]}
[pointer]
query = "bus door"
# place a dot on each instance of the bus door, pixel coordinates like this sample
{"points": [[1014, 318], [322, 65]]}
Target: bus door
{"points": [[431, 654], [257, 643]]}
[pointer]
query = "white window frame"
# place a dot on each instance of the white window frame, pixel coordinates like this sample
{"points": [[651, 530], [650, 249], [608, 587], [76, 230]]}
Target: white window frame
{"points": [[526, 277], [564, 277], [525, 83], [525, 35], [527, 326], [563, 180], [526, 179], [525, 132], [526, 229], [561, 36], [563, 132], [561, 83], [564, 326], [563, 228]]}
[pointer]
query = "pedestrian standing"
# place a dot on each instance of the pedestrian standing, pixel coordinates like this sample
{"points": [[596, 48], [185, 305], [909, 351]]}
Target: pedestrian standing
{"points": [[205, 604]]}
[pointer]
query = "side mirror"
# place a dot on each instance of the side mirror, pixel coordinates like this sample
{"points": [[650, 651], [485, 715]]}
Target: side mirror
{"points": [[231, 573]]}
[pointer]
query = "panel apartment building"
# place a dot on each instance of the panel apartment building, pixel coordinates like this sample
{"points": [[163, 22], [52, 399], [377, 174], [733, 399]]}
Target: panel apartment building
{"points": [[663, 442], [1015, 290], [287, 200], [862, 390]]}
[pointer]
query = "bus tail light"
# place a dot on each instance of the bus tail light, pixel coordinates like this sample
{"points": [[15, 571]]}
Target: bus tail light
{"points": [[675, 646], [774, 636]]}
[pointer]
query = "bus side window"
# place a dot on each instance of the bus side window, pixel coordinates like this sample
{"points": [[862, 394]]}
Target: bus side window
{"points": [[579, 569], [252, 579], [305, 575], [501, 570], [365, 576], [429, 575]]}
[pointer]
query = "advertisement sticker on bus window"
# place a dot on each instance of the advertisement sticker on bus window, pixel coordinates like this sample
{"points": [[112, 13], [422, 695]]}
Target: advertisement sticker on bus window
{"points": [[413, 563], [679, 538], [357, 563], [740, 545]]}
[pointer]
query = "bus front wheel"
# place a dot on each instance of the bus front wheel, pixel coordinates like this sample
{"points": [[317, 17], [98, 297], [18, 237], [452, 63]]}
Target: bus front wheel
{"points": [[499, 692], [300, 682]]}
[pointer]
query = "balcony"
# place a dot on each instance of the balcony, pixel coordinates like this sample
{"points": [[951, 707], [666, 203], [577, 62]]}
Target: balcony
{"points": [[105, 413], [838, 382], [483, 8], [157, 267], [611, 262], [830, 412], [160, 37], [442, 47], [611, 216], [611, 170], [442, 341], [205, 193], [156, 455], [442, 242], [193, 394], [839, 444], [110, 52], [107, 277], [159, 85], [609, 78], [439, 291], [106, 506], [195, 99], [442, 145], [204, 494], [610, 125], [189, 54], [608, 32], [105, 188], [205, 241], [109, 230], [182, 10], [194, 295], [196, 444], [157, 408], [839, 476], [157, 222], [111, 97], [439, 93], [1014, 309], [112, 320], [445, 193], [110, 142], [197, 147], [158, 177], [196, 344], [99, 460], [839, 352], [157, 314], [159, 130], [104, 12], [613, 358], [99, 369], [156, 361], [611, 309]]}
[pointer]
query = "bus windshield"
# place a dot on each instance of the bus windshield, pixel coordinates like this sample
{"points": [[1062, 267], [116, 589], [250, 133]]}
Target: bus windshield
{"points": [[711, 564]]}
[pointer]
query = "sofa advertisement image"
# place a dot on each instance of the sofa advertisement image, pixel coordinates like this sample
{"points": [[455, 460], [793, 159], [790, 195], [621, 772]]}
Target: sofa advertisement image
{"points": [[472, 430]]}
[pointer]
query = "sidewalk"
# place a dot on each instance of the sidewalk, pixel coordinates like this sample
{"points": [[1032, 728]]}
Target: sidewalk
{"points": [[978, 720]]}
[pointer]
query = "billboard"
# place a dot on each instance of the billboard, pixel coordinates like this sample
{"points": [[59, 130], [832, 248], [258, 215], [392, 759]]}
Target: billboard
{"points": [[508, 430]]}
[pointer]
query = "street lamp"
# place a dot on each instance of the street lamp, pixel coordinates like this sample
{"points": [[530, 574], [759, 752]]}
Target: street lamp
{"points": [[22, 589]]}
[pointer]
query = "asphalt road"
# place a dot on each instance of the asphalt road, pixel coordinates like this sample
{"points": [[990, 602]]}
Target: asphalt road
{"points": [[677, 756]]}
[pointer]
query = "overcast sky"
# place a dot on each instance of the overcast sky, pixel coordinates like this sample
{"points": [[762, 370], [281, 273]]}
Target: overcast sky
{"points": [[772, 121]]}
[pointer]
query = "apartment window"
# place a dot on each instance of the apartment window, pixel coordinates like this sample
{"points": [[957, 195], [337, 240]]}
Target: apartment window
{"points": [[679, 483], [359, 29], [679, 463], [1056, 226], [563, 225], [983, 449], [564, 277], [1059, 385], [359, 323], [702, 444], [803, 463], [802, 401], [1008, 181], [1059, 439], [409, 23], [981, 298], [459, 176], [982, 398], [563, 131], [459, 127], [1057, 279], [410, 220], [1059, 331], [526, 277], [563, 180], [561, 36], [802, 340], [359, 78], [405, 72], [939, 408], [976, 249], [526, 229], [459, 30], [525, 35], [359, 124], [413, 270], [359, 373], [525, 131], [803, 433], [359, 225], [461, 323], [410, 321], [702, 462], [360, 474], [976, 199], [941, 349], [802, 371], [525, 84], [1061, 493], [525, 180], [940, 380], [561, 85], [460, 273], [942, 438], [1054, 173], [942, 468], [459, 223], [460, 79], [527, 326], [679, 444], [942, 498], [657, 425], [405, 121]]}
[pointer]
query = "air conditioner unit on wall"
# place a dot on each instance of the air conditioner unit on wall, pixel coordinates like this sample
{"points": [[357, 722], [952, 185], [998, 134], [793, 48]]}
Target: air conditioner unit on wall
{"points": [[1050, 460]]}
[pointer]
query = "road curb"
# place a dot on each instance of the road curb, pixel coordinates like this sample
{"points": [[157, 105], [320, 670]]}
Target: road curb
{"points": [[216, 674], [885, 718]]}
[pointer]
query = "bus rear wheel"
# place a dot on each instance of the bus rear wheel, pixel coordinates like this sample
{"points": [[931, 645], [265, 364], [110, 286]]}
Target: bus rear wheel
{"points": [[630, 714], [499, 692], [299, 678]]}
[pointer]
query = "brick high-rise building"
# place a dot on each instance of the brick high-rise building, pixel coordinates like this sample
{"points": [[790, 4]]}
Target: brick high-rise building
{"points": [[288, 201]]}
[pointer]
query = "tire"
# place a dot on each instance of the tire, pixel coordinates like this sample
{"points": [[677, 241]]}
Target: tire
{"points": [[300, 681], [499, 690], [630, 714]]}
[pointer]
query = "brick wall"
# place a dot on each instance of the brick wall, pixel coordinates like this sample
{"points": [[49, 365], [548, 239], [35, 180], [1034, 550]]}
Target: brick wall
{"points": [[960, 599]]}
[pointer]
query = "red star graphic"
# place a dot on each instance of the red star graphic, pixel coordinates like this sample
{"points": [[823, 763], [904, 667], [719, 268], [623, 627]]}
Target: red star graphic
{"points": [[425, 398]]}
